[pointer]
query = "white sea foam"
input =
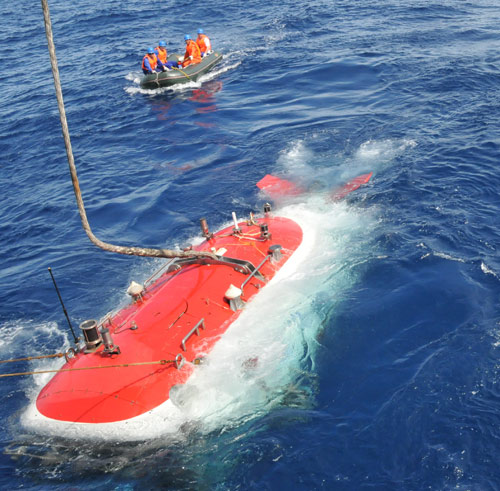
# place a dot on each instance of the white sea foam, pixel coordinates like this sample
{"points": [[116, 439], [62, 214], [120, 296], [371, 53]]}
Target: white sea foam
{"points": [[300, 162], [448, 257], [26, 338], [136, 89], [11, 334], [296, 159], [383, 150], [487, 270], [22, 338], [265, 351]]}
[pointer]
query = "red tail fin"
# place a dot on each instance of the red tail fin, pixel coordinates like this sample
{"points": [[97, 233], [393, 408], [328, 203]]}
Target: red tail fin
{"points": [[274, 186], [350, 186]]}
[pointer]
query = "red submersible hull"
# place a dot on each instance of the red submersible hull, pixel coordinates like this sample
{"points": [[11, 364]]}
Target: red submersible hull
{"points": [[133, 358]]}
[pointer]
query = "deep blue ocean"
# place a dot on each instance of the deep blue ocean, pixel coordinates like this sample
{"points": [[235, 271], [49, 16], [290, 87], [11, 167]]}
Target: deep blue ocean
{"points": [[379, 358]]}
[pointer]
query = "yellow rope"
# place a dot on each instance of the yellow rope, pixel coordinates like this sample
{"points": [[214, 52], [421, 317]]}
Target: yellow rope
{"points": [[184, 73], [29, 358], [160, 362], [248, 244]]}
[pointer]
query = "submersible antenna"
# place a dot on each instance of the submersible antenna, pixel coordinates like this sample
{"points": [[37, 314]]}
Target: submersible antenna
{"points": [[131, 251], [62, 305]]}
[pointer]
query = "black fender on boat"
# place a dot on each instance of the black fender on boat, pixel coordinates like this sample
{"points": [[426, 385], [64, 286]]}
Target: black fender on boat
{"points": [[190, 73]]}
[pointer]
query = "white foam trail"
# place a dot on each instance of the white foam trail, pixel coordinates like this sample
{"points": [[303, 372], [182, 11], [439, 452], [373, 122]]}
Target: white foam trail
{"points": [[217, 71], [162, 90], [300, 164], [384, 150], [449, 257], [28, 336], [487, 270], [11, 334], [374, 155], [380, 153], [296, 159]]}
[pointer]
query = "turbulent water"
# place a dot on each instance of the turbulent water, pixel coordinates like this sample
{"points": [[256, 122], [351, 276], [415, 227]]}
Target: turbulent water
{"points": [[376, 358]]}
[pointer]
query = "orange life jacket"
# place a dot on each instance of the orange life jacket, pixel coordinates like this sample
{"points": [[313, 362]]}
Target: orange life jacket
{"points": [[153, 61], [162, 54], [191, 50], [204, 43]]}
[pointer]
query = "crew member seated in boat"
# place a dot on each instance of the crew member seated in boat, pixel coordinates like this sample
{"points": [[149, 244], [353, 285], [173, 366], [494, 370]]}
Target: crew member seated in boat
{"points": [[192, 54], [161, 54], [150, 63], [203, 43]]}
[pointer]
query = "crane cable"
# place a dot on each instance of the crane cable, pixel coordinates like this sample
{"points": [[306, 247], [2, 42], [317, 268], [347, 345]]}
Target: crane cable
{"points": [[131, 251]]}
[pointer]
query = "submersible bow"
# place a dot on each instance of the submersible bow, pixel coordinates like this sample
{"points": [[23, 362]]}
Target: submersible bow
{"points": [[131, 251]]}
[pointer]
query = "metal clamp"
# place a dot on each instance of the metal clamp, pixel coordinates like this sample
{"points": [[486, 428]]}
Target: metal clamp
{"points": [[70, 353], [179, 361]]}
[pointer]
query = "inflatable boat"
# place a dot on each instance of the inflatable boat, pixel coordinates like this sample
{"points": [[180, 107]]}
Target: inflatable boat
{"points": [[191, 73]]}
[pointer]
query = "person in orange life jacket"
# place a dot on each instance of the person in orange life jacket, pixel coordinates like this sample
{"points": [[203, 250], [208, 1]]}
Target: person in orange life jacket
{"points": [[150, 63], [161, 54], [192, 54], [203, 43]]}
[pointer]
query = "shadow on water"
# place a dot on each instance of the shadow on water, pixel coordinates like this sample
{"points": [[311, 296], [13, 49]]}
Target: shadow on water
{"points": [[192, 459], [59, 461], [203, 98]]}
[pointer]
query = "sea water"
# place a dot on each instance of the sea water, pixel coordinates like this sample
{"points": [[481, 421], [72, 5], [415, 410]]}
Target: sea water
{"points": [[373, 362]]}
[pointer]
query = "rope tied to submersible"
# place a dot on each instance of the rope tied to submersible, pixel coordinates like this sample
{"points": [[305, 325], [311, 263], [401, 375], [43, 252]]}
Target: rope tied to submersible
{"points": [[122, 365], [131, 251], [29, 358]]}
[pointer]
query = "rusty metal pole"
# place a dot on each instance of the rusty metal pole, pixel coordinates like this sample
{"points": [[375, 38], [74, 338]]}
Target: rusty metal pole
{"points": [[131, 251]]}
